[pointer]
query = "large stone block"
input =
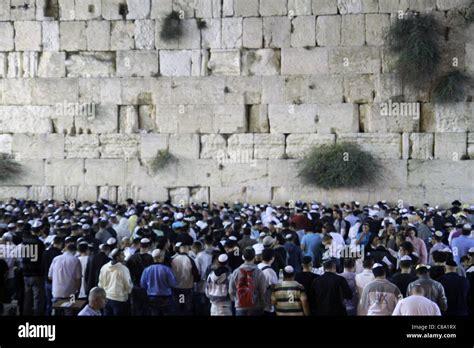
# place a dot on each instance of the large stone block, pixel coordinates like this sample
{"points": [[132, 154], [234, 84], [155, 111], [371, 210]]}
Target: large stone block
{"points": [[128, 119], [147, 118], [122, 35], [358, 6], [198, 91], [276, 32], [313, 89], [175, 63], [377, 26], [98, 35], [385, 146], [5, 11], [252, 36], [353, 30], [300, 61], [73, 36], [144, 34], [304, 31], [195, 119], [50, 33], [243, 173], [180, 196], [359, 89], [212, 146], [450, 146], [258, 122], [243, 90], [124, 146], [230, 119], [38, 146], [212, 36], [82, 146], [88, 64], [269, 146], [261, 62], [104, 121], [26, 119], [328, 30], [52, 64], [440, 175], [392, 117], [32, 173], [283, 173], [224, 62], [421, 146], [203, 172], [110, 91], [64, 172], [110, 9], [297, 145], [88, 9], [22, 64], [137, 63], [6, 36], [360, 60], [7, 192], [246, 8], [104, 172], [65, 91], [388, 86], [324, 7], [185, 146], [227, 194], [40, 193], [151, 143], [273, 7], [454, 117], [15, 91], [300, 7], [470, 145], [66, 10], [138, 9], [240, 149], [232, 31], [27, 36]]}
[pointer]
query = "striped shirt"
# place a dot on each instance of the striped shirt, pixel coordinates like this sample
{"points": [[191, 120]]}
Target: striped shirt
{"points": [[288, 297]]}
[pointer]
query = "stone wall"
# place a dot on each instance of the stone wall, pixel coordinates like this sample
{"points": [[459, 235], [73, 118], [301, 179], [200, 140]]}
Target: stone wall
{"points": [[237, 102]]}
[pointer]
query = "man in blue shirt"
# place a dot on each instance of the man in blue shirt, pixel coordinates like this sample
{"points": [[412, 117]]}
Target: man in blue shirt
{"points": [[97, 301], [310, 245], [158, 281], [462, 244]]}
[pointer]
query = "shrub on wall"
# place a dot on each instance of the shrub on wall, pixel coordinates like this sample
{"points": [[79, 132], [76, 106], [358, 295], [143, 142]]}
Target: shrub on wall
{"points": [[8, 168], [172, 27], [452, 87], [341, 165], [162, 159]]}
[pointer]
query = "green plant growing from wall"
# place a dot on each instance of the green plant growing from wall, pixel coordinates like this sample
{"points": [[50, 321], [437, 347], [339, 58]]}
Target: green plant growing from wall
{"points": [[201, 23], [340, 165], [9, 168], [162, 159], [452, 87], [415, 39], [172, 28]]}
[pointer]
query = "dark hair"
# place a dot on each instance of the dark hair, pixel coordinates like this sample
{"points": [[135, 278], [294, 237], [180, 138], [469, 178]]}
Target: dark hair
{"points": [[329, 264], [249, 254], [407, 246], [288, 275], [58, 240], [379, 271], [368, 262], [246, 231], [349, 263], [307, 260], [267, 254], [71, 247], [422, 270], [406, 264], [82, 247], [439, 256]]}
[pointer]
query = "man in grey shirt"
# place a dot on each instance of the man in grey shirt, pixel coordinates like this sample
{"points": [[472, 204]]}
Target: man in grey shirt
{"points": [[433, 290]]}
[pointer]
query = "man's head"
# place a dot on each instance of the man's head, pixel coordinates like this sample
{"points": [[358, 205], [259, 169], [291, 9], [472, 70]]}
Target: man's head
{"points": [[268, 256], [439, 256], [349, 265], [307, 262], [58, 242], [422, 270], [405, 263], [117, 255], [406, 248], [327, 240], [329, 265], [379, 270], [288, 273], [158, 255], [365, 227], [145, 245], [368, 263], [466, 230], [71, 247], [249, 254], [97, 298], [451, 266], [418, 290]]}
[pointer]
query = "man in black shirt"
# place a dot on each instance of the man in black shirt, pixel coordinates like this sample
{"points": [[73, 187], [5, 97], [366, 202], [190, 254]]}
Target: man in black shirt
{"points": [[33, 273], [437, 269], [48, 256], [306, 278], [330, 290], [94, 264], [404, 277], [456, 289]]}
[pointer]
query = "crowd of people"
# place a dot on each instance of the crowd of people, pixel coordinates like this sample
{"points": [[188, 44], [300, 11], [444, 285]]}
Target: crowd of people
{"points": [[303, 258]]}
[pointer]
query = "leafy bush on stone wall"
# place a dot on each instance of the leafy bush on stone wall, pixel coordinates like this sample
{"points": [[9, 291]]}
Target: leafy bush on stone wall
{"points": [[162, 159], [8, 168], [452, 87], [172, 27], [341, 165]]}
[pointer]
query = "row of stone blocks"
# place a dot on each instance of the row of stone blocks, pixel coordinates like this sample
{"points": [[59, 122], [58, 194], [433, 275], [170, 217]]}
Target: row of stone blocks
{"points": [[413, 182]]}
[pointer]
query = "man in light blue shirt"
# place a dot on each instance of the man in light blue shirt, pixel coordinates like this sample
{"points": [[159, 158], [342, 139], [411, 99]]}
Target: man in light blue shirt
{"points": [[462, 244], [97, 301], [310, 244]]}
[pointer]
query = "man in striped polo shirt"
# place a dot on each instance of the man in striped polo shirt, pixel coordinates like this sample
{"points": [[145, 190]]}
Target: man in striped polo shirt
{"points": [[289, 296]]}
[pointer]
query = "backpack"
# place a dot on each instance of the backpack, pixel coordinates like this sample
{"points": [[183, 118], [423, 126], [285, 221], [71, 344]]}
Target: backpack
{"points": [[246, 293]]}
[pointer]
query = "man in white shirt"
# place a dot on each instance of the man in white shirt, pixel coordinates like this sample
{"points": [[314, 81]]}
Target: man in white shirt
{"points": [[364, 278], [417, 304], [268, 256], [65, 273]]}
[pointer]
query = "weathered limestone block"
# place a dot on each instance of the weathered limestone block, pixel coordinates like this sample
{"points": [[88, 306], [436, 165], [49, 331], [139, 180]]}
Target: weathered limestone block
{"points": [[269, 146], [273, 7], [66, 91], [276, 32], [357, 6], [297, 145], [119, 145], [353, 30], [439, 175], [324, 7], [198, 91], [6, 36], [52, 64], [455, 117], [15, 91], [309, 89], [146, 118], [227, 194], [152, 193], [110, 9], [470, 145], [328, 30], [7, 192], [3, 65], [418, 5], [161, 8], [337, 118], [240, 148], [300, 61], [82, 146], [377, 26], [185, 146], [356, 60], [199, 195], [470, 57], [139, 91], [105, 120], [64, 172], [22, 64], [110, 91], [212, 146], [282, 173], [388, 86], [141, 173], [104, 172], [421, 146], [243, 90], [258, 122], [256, 194], [137, 63], [88, 9], [144, 34], [232, 32], [22, 10], [5, 11], [73, 36], [385, 146], [359, 89], [122, 35], [304, 31], [50, 34], [230, 119], [98, 35], [128, 191], [26, 119], [38, 146], [108, 192], [138, 9], [443, 5], [261, 62], [389, 6], [128, 119], [224, 62], [67, 10], [246, 8], [151, 143], [392, 117], [240, 172], [6, 142], [175, 63], [203, 172], [299, 7], [27, 36], [211, 37], [180, 196], [40, 193], [194, 119], [450, 146], [252, 36]]}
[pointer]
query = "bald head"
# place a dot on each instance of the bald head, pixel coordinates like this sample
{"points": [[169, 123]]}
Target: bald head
{"points": [[97, 298]]}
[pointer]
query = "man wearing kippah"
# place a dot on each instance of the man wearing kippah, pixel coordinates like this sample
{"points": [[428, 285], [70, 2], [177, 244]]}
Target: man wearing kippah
{"points": [[289, 296]]}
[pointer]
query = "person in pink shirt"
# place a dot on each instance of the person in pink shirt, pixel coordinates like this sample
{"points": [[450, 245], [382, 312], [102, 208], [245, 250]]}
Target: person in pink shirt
{"points": [[418, 244]]}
